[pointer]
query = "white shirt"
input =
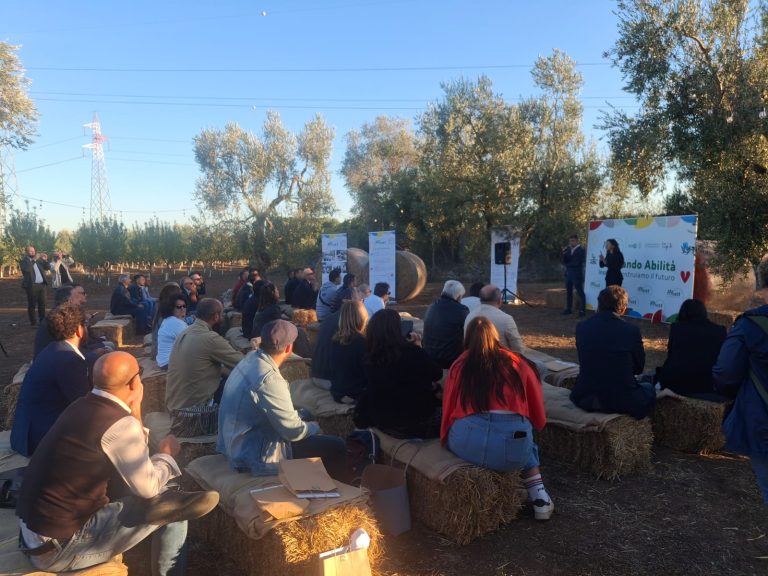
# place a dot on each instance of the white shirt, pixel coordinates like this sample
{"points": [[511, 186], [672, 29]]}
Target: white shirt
{"points": [[170, 329], [38, 276], [505, 325], [126, 445], [373, 304]]}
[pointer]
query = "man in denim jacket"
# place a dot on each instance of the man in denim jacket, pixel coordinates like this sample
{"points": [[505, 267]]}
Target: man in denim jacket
{"points": [[742, 371], [258, 424]]}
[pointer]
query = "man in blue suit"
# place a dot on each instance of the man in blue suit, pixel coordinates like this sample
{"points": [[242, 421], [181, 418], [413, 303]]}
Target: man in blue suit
{"points": [[57, 377], [574, 257], [610, 354]]}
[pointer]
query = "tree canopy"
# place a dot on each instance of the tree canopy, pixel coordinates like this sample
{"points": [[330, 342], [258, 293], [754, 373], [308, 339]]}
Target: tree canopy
{"points": [[18, 115]]}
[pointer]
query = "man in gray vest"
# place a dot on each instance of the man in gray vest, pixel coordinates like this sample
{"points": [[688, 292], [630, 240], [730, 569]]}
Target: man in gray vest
{"points": [[98, 447]]}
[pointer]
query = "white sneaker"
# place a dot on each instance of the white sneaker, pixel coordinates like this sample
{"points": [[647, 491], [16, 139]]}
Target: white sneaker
{"points": [[542, 510]]}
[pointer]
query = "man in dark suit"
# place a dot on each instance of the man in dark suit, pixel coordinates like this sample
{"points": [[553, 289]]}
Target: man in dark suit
{"points": [[610, 354], [574, 257], [57, 377], [33, 270], [122, 305]]}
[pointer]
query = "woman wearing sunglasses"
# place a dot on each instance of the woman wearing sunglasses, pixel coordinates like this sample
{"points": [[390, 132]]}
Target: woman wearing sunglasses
{"points": [[173, 312]]}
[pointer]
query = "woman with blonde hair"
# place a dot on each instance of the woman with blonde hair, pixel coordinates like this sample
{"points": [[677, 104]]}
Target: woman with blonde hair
{"points": [[491, 402], [347, 350]]}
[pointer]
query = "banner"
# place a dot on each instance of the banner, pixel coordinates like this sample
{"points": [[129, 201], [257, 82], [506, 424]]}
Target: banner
{"points": [[334, 248], [658, 263], [505, 247], [381, 259]]}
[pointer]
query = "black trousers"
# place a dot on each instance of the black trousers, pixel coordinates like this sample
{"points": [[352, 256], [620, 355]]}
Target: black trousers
{"points": [[332, 450], [35, 299], [574, 281]]}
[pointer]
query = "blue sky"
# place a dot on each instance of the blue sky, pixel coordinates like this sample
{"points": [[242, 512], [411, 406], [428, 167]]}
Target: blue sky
{"points": [[349, 61]]}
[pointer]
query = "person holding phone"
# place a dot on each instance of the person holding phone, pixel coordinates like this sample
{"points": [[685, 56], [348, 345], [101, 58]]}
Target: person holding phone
{"points": [[33, 269], [613, 260]]}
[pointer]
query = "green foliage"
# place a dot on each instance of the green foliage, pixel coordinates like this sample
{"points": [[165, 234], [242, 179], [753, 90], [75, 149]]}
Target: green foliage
{"points": [[100, 243], [18, 116], [24, 229], [260, 180], [699, 72]]}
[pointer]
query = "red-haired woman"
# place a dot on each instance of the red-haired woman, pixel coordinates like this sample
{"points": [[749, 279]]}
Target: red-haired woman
{"points": [[491, 403]]}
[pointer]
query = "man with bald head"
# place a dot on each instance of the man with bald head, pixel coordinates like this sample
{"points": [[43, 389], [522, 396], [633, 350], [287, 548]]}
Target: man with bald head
{"points": [[490, 307], [68, 520]]}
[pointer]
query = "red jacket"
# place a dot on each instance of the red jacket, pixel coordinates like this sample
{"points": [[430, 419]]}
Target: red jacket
{"points": [[530, 405]]}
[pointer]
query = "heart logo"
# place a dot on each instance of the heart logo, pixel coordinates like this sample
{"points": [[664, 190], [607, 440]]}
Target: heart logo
{"points": [[685, 275]]}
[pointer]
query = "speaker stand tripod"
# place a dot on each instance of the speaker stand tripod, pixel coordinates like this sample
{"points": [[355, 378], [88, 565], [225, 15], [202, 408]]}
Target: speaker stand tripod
{"points": [[506, 292]]}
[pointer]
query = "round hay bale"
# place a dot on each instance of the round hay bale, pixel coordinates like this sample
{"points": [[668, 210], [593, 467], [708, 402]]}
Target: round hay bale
{"points": [[357, 264], [410, 274]]}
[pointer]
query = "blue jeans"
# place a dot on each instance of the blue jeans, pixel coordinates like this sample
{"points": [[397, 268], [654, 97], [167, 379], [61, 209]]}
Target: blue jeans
{"points": [[112, 530], [760, 468], [501, 442]]}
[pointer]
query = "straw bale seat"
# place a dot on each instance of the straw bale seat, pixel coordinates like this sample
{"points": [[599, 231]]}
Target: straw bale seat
{"points": [[296, 368], [450, 496], [286, 547], [9, 397], [239, 342], [608, 446], [159, 424], [109, 316], [118, 330], [154, 380], [723, 318], [688, 425], [234, 319], [557, 298], [333, 417]]}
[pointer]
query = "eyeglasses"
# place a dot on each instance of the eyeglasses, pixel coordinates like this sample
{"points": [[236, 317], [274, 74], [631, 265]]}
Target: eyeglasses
{"points": [[132, 378], [180, 306]]}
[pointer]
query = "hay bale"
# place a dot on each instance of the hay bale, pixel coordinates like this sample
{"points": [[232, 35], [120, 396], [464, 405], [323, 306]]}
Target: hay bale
{"points": [[357, 264], [340, 425], [296, 368], [688, 425], [410, 274], [291, 548], [234, 319], [10, 399], [557, 298], [304, 318], [154, 393], [472, 502], [239, 342], [622, 448], [725, 319], [118, 331]]}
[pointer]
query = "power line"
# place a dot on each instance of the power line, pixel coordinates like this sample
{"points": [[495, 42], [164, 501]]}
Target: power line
{"points": [[50, 164], [326, 70], [113, 210]]}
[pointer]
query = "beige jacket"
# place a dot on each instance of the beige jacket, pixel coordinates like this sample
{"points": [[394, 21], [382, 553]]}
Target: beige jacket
{"points": [[509, 336], [194, 368]]}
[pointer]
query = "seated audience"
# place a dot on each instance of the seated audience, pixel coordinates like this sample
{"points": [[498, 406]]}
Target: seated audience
{"points": [[68, 517], [491, 404], [473, 300], [741, 372], [173, 312], [694, 343], [400, 397], [165, 300], [57, 377], [364, 291], [490, 307], [121, 304], [266, 307], [305, 294], [322, 362], [347, 351], [346, 292], [327, 293], [91, 347], [610, 354], [197, 278], [189, 291], [195, 376], [290, 286], [241, 280], [250, 288], [444, 325], [258, 424], [140, 294], [378, 300]]}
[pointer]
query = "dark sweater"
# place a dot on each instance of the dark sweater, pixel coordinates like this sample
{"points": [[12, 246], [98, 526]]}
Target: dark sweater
{"points": [[347, 370], [67, 478], [400, 396], [321, 358], [444, 330], [691, 352]]}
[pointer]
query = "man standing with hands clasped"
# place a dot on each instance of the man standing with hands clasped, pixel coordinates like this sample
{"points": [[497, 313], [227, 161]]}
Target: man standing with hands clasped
{"points": [[33, 270], [574, 257]]}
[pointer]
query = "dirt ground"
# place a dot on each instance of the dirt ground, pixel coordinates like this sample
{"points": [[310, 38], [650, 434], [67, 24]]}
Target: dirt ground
{"points": [[692, 515]]}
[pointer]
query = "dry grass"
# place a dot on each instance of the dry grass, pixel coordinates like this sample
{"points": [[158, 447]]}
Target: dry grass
{"points": [[688, 425], [8, 400], [622, 448], [340, 425], [154, 394]]}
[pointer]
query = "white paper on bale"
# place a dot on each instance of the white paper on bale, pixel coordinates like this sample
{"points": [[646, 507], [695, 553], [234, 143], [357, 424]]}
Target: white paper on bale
{"points": [[334, 247], [505, 234], [658, 271], [382, 259]]}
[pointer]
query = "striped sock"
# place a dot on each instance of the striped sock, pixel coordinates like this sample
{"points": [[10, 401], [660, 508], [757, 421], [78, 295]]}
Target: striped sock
{"points": [[535, 486]]}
